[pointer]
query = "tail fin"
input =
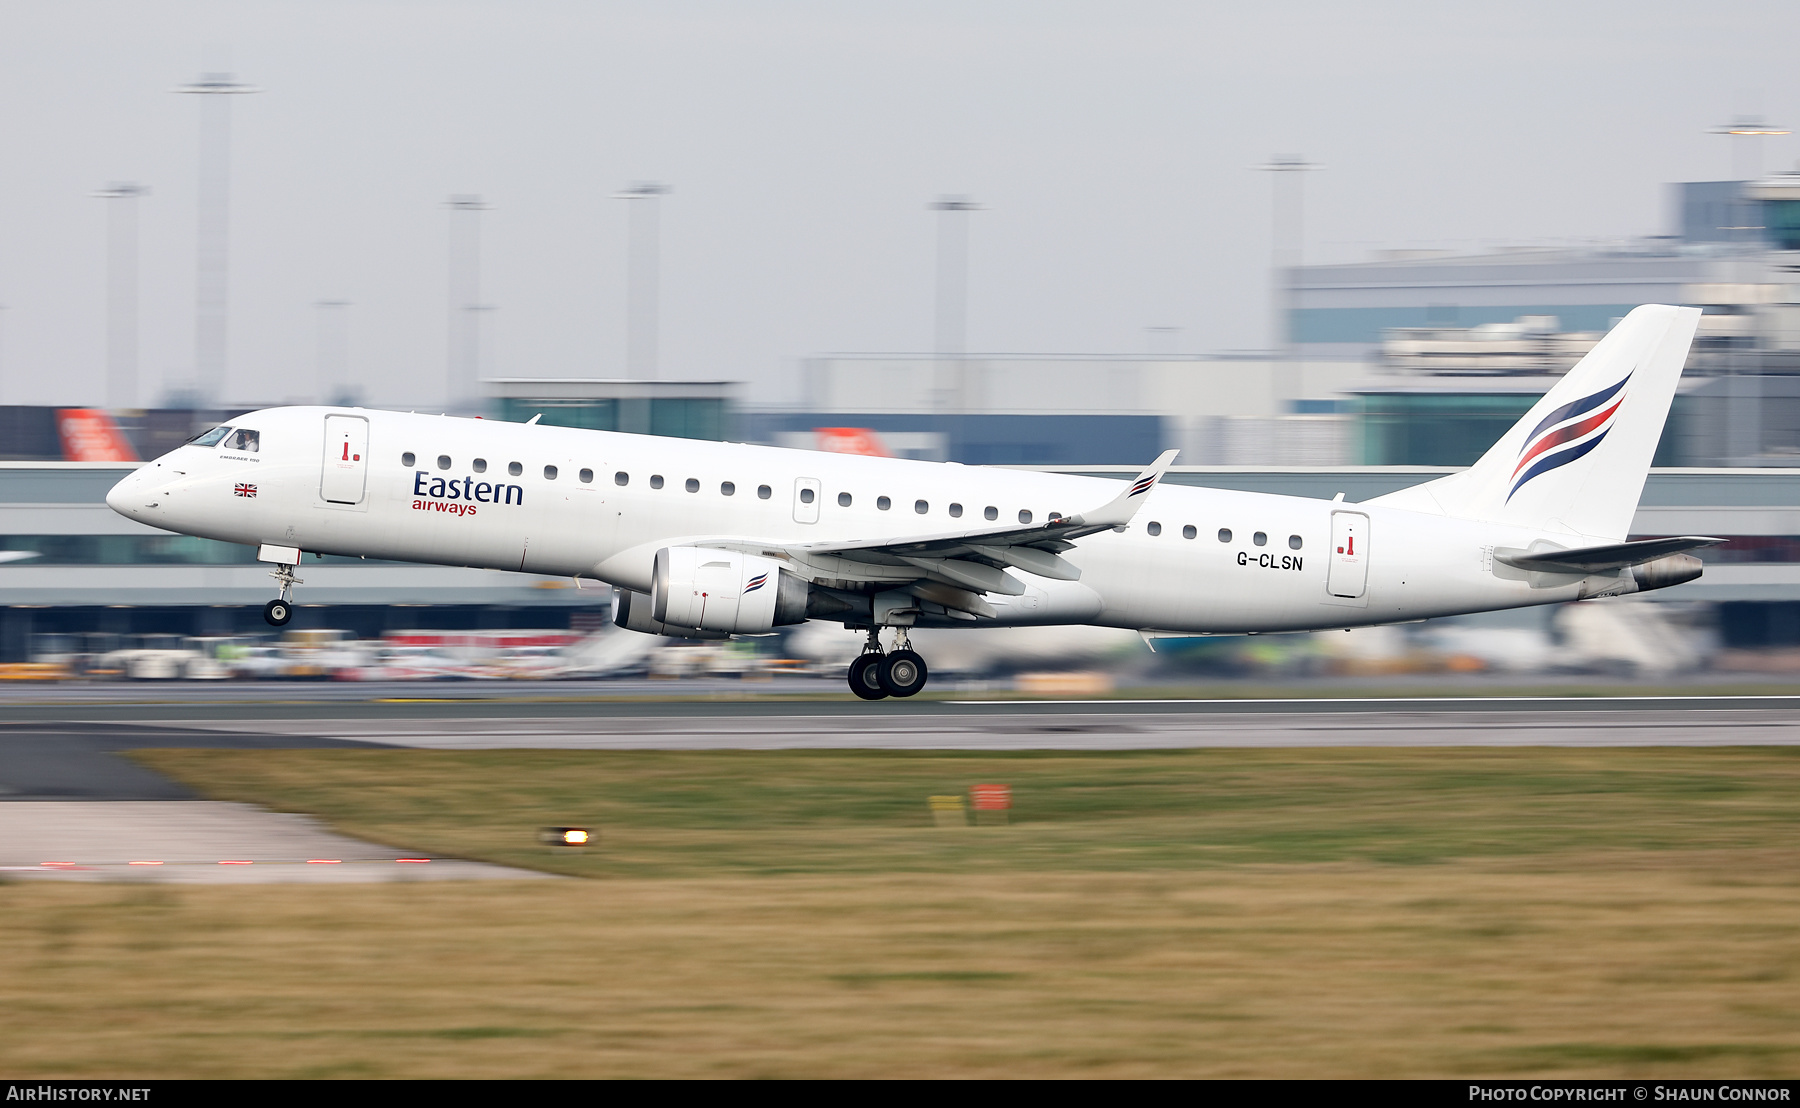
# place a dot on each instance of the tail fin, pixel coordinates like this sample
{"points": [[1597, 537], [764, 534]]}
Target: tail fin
{"points": [[1578, 459]]}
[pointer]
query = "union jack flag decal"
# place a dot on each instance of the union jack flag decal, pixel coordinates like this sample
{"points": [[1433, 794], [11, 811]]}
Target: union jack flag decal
{"points": [[756, 582], [246, 490], [1568, 433]]}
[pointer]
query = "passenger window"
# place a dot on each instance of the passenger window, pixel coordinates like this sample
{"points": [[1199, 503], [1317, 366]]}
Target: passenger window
{"points": [[621, 478], [1293, 542], [1189, 531], [1024, 515], [408, 460], [990, 512], [883, 503], [514, 468], [443, 461], [656, 481], [806, 496], [727, 488], [549, 473], [693, 484], [843, 500], [763, 492], [244, 440], [209, 438], [479, 465], [1224, 534], [921, 506], [1154, 528], [1260, 539], [587, 476], [956, 511]]}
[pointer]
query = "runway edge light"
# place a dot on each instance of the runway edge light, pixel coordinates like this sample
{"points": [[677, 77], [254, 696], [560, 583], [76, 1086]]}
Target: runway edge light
{"points": [[566, 836]]}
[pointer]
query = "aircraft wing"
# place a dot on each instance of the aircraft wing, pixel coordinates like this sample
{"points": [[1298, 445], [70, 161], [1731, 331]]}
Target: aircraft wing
{"points": [[976, 561]]}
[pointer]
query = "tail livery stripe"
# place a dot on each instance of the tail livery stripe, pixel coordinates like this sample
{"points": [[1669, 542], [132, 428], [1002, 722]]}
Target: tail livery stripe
{"points": [[1540, 451], [1556, 460], [1143, 485], [1577, 407], [1568, 433], [756, 582]]}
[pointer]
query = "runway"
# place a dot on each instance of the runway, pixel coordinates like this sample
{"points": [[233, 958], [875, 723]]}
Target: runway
{"points": [[72, 808], [1010, 726]]}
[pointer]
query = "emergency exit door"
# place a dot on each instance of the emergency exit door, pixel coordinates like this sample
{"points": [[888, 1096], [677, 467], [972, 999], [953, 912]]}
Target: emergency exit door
{"points": [[346, 459], [1349, 572]]}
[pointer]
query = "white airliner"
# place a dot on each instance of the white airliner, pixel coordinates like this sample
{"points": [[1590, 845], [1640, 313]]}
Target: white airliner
{"points": [[710, 539]]}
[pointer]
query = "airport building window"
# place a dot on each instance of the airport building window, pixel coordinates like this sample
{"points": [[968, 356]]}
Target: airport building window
{"points": [[843, 500], [1260, 539], [956, 511], [209, 438], [621, 478], [408, 459], [1189, 531], [921, 506], [693, 484], [443, 461], [763, 492], [479, 465], [514, 468], [883, 503], [1154, 528], [1293, 542], [990, 512], [587, 476], [656, 481], [727, 488], [1024, 515], [806, 496], [549, 473], [1224, 534]]}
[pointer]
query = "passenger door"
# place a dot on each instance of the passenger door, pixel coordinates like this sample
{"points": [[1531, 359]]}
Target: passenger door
{"points": [[806, 500], [346, 471], [1349, 573]]}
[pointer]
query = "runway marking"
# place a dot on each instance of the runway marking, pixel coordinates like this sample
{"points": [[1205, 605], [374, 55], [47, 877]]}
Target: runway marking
{"points": [[1123, 701]]}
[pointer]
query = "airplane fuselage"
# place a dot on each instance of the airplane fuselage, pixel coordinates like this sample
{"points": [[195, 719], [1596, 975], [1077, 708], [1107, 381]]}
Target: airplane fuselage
{"points": [[599, 505]]}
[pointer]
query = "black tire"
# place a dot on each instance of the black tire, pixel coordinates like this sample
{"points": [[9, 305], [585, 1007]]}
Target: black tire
{"points": [[902, 673], [278, 612], [864, 679]]}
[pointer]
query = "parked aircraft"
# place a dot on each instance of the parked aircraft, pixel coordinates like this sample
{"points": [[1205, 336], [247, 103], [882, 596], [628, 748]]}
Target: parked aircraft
{"points": [[712, 539]]}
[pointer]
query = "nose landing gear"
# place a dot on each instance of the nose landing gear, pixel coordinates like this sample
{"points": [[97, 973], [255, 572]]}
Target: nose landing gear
{"points": [[277, 612], [875, 675]]}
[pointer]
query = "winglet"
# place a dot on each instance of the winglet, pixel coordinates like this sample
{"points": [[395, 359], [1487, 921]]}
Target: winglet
{"points": [[1123, 507]]}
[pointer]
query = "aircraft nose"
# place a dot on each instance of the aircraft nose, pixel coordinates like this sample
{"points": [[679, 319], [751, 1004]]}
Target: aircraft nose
{"points": [[125, 497]]}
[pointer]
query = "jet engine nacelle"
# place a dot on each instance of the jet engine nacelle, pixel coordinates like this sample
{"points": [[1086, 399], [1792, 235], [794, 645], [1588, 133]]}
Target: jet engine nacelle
{"points": [[1664, 572], [723, 590], [631, 610]]}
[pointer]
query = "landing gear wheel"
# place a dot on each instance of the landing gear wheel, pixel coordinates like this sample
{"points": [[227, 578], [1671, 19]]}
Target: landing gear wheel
{"points": [[863, 679], [902, 673], [278, 612]]}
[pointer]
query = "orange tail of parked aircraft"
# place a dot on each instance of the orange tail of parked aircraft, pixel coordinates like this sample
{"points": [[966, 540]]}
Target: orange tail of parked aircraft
{"points": [[90, 435]]}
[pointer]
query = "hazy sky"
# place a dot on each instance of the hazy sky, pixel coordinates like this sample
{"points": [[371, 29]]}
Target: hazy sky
{"points": [[1110, 144]]}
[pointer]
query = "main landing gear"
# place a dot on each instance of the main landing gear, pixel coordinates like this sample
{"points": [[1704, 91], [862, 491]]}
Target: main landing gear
{"points": [[875, 675], [277, 612]]}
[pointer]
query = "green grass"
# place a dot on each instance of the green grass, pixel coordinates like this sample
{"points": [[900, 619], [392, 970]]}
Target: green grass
{"points": [[712, 813]]}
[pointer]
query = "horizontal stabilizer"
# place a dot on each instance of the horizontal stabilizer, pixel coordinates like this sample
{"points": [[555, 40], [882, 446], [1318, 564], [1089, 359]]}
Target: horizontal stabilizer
{"points": [[1599, 559]]}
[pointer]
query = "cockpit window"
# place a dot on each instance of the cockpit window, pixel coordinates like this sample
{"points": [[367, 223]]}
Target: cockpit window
{"points": [[243, 439], [210, 438]]}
